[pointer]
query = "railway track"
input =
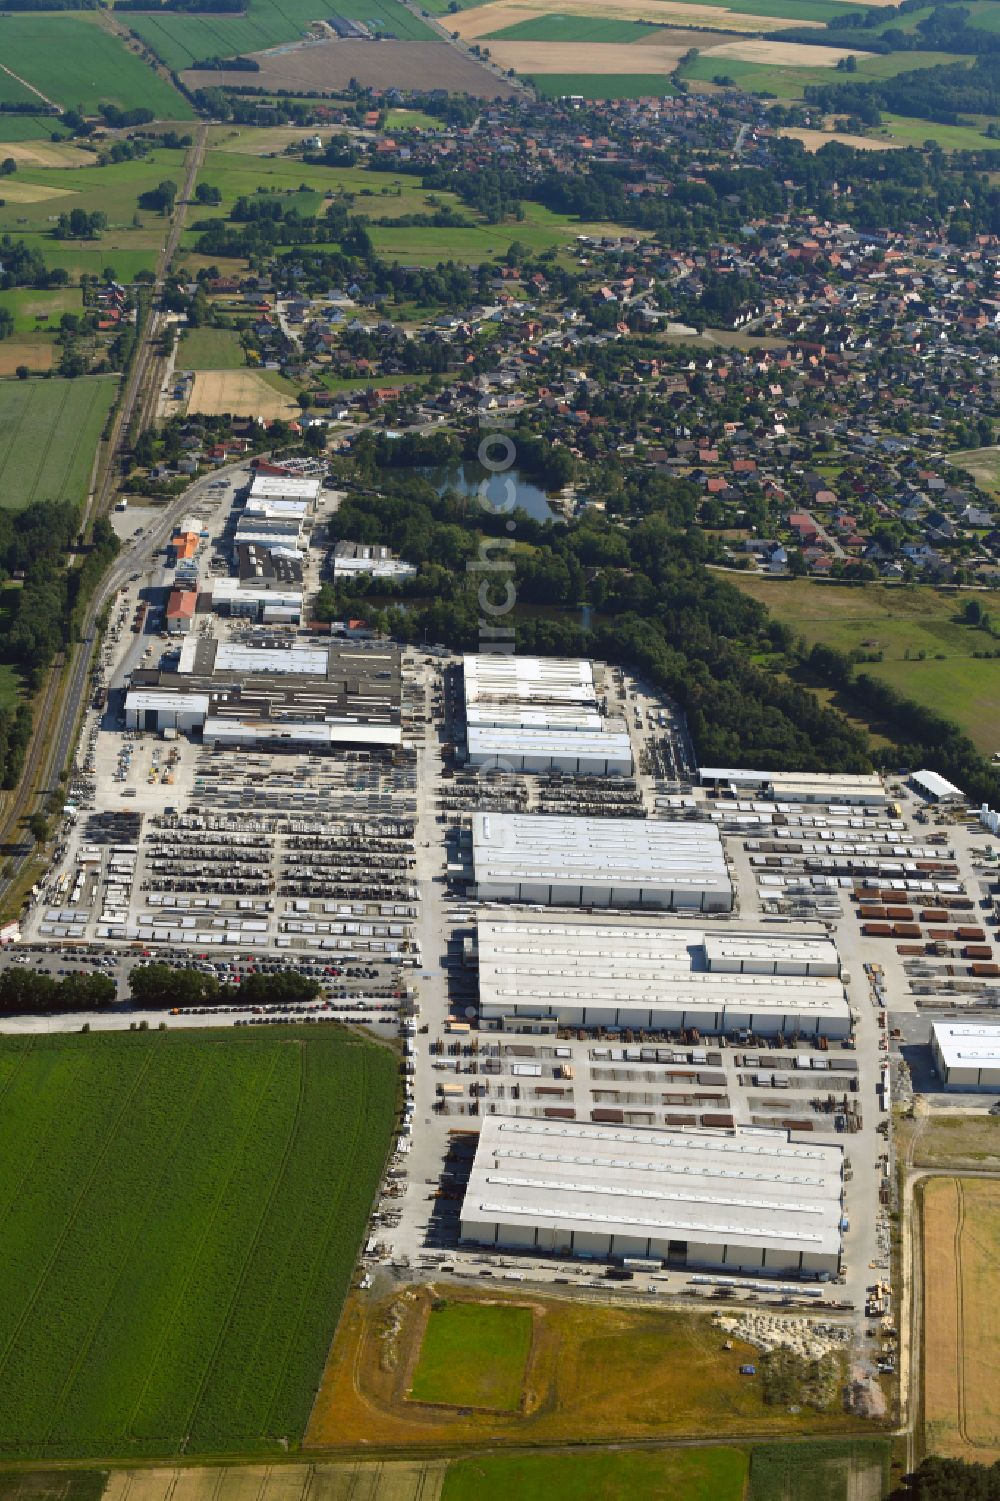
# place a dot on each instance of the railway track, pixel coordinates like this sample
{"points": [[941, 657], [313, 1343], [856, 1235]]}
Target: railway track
{"points": [[58, 712]]}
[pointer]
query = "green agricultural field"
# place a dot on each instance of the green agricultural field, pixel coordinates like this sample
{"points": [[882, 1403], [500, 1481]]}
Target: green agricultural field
{"points": [[786, 81], [40, 311], [474, 1355], [681, 1475], [72, 60], [181, 1212], [49, 431], [603, 85], [183, 40], [964, 691], [556, 28], [824, 1470], [27, 128], [210, 349], [53, 1485]]}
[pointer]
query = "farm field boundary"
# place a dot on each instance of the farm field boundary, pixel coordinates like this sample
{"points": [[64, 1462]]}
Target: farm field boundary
{"points": [[180, 1220], [960, 1223]]}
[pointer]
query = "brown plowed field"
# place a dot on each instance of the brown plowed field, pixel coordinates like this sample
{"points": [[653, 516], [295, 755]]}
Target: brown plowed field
{"points": [[961, 1355], [330, 66]]}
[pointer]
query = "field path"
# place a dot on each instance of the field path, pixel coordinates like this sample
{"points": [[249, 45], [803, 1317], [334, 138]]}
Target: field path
{"points": [[31, 88]]}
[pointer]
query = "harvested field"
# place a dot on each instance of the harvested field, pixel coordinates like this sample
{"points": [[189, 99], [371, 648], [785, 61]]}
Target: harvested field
{"points": [[961, 1355], [37, 354], [597, 1373], [244, 393], [588, 57], [484, 20], [815, 140], [330, 66], [47, 154], [395, 1481], [785, 54], [30, 192]]}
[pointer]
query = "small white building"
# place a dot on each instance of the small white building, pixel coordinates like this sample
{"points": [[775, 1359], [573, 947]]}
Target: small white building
{"points": [[967, 1055]]}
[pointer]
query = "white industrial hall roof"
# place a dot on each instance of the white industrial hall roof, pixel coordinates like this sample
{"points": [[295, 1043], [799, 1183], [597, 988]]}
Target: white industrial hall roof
{"points": [[563, 717], [534, 964], [754, 1188], [528, 679], [794, 785], [512, 850], [284, 487], [521, 741], [967, 1045], [937, 786]]}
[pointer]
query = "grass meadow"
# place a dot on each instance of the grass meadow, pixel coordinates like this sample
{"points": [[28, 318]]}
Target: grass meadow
{"points": [[180, 1214], [49, 431], [901, 622], [73, 61], [474, 1355], [786, 81], [124, 246], [683, 1474], [210, 349]]}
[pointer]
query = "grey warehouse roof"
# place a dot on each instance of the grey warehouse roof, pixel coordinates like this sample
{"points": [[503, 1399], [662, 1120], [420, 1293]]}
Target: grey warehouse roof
{"points": [[652, 853], [754, 1187], [535, 962]]}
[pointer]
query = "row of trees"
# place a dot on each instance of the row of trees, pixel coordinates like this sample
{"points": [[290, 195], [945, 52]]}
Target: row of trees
{"points": [[25, 990], [158, 985]]}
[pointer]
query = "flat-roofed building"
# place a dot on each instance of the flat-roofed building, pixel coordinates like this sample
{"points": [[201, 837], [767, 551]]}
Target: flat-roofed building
{"points": [[649, 974], [936, 788], [513, 681], [967, 1055], [302, 692], [605, 751], [600, 862], [288, 487], [752, 1200], [800, 786]]}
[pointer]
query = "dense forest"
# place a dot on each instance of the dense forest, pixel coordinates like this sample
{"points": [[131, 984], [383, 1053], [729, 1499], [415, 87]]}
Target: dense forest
{"points": [[950, 1480], [641, 595]]}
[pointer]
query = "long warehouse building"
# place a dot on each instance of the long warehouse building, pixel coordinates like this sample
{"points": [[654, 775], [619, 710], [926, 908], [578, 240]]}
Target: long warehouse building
{"points": [[538, 972], [750, 1201], [600, 862]]}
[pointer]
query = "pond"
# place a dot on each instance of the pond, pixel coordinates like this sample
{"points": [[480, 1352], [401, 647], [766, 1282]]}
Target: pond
{"points": [[466, 478]]}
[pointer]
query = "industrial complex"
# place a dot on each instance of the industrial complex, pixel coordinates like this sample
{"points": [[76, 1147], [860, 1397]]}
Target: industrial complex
{"points": [[317, 693]]}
